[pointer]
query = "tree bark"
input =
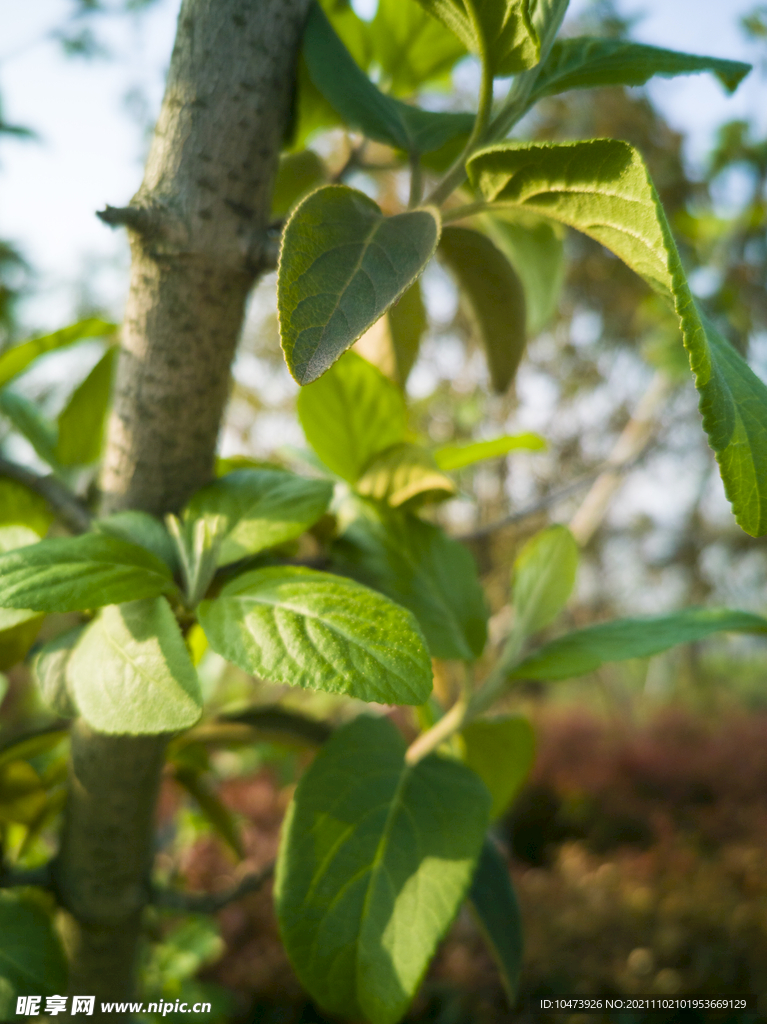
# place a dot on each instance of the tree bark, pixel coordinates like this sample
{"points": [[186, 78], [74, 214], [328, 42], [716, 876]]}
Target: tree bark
{"points": [[198, 229]]}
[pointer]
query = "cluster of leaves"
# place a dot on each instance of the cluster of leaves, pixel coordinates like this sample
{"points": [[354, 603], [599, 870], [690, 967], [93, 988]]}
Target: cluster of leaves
{"points": [[382, 842]]}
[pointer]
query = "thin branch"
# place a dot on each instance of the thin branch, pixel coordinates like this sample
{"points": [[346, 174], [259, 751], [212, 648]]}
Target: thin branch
{"points": [[210, 902], [552, 498], [67, 506], [14, 878]]}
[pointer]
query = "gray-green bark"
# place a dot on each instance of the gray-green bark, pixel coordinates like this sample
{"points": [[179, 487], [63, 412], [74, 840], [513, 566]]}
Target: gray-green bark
{"points": [[198, 231]]}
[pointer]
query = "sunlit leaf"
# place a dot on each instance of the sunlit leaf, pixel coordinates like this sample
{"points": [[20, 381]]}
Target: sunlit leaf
{"points": [[130, 672], [503, 30], [405, 473], [586, 649], [351, 414], [298, 627], [411, 48], [20, 505], [375, 860], [602, 188], [456, 456]]}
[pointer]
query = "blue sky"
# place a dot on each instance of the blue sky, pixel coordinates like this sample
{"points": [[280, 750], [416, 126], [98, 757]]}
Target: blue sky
{"points": [[91, 147]]}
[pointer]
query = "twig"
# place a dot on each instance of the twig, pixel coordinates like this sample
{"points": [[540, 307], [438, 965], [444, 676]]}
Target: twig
{"points": [[137, 218], [73, 512], [552, 498], [14, 878], [210, 902]]}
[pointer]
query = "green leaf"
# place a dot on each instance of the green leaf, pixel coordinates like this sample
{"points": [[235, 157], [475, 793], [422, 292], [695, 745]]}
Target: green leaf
{"points": [[342, 265], [32, 744], [602, 188], [351, 415], [586, 649], [375, 860], [143, 529], [31, 424], [50, 670], [419, 566], [259, 509], [17, 359], [590, 62], [18, 631], [405, 473], [81, 422], [502, 30], [544, 576], [501, 751], [298, 627], [392, 342], [535, 248], [298, 174], [495, 905], [72, 573], [31, 958], [364, 107], [494, 295], [20, 505], [130, 672], [410, 47], [456, 456]]}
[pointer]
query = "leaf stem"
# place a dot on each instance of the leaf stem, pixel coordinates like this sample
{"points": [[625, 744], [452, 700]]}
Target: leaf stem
{"points": [[466, 210], [457, 173], [428, 741], [209, 903], [416, 181]]}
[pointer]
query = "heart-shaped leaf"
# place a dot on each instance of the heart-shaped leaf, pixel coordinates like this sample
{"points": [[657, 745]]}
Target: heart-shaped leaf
{"points": [[342, 264], [298, 627]]}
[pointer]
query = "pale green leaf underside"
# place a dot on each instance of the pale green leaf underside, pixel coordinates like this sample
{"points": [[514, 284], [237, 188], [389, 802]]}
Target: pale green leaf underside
{"points": [[505, 31], [602, 188], [130, 672], [342, 265], [298, 627], [495, 297], [375, 860], [71, 573], [544, 576], [364, 107], [260, 508], [17, 359], [351, 414], [501, 752], [405, 473], [494, 902], [456, 456], [31, 959], [588, 62], [50, 671], [586, 649], [420, 567]]}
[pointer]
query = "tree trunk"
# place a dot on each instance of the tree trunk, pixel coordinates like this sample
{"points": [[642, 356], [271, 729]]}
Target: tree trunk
{"points": [[198, 232]]}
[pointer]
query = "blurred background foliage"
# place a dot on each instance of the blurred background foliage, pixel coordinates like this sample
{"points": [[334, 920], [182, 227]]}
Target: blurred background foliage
{"points": [[638, 845]]}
